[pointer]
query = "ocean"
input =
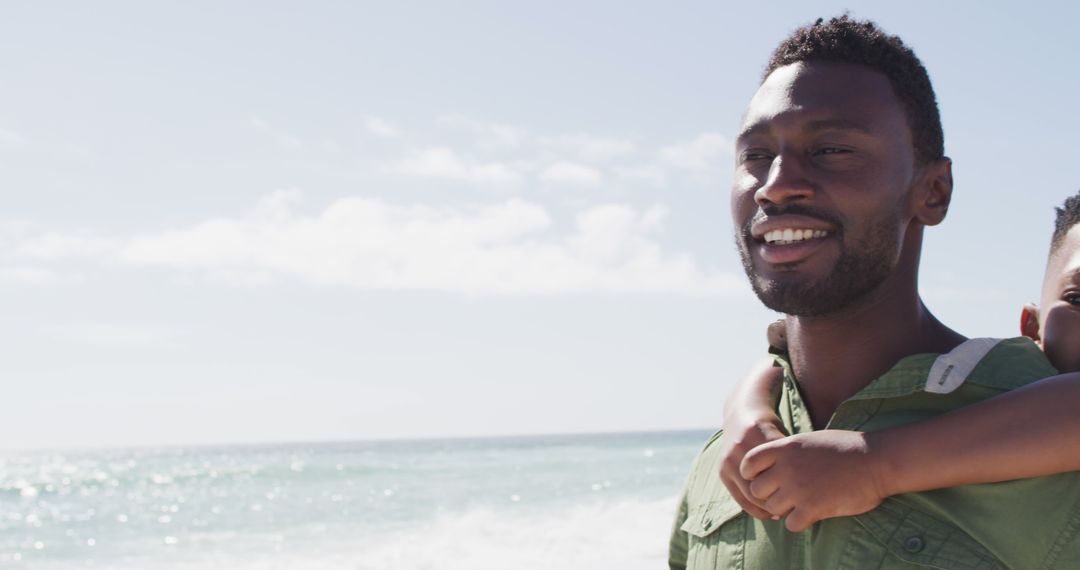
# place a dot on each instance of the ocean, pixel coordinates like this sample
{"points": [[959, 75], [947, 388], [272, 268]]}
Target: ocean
{"points": [[567, 502]]}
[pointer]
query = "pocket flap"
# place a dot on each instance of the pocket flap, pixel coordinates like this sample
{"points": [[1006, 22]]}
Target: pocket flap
{"points": [[703, 519]]}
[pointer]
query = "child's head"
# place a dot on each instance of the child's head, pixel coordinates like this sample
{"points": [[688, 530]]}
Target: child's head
{"points": [[1055, 323]]}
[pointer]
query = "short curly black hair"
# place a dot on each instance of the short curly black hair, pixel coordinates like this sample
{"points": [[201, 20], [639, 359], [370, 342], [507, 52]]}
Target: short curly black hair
{"points": [[845, 40], [1068, 215]]}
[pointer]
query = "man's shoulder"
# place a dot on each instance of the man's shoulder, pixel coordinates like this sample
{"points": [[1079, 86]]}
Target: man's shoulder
{"points": [[1012, 363], [713, 441], [703, 484], [708, 456]]}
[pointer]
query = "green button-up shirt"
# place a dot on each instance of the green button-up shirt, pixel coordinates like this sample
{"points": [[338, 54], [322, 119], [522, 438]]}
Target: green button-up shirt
{"points": [[1023, 525]]}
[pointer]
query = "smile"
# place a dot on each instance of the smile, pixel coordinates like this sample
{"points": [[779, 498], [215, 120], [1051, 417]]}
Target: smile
{"points": [[787, 236]]}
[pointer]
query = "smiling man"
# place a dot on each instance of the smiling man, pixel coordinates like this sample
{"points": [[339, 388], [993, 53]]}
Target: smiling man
{"points": [[840, 167]]}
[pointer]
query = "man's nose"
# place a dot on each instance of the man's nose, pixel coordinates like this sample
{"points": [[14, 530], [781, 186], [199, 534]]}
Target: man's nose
{"points": [[787, 182]]}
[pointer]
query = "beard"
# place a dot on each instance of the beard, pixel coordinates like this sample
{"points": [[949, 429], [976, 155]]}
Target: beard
{"points": [[860, 269]]}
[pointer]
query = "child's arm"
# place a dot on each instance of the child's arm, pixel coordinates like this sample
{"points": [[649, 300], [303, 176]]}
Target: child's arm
{"points": [[1028, 432], [749, 420]]}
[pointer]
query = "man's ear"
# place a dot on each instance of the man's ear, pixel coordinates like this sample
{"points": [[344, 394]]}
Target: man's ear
{"points": [[935, 192], [1029, 322]]}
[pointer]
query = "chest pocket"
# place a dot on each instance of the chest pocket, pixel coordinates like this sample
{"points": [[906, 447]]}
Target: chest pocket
{"points": [[908, 539], [716, 530]]}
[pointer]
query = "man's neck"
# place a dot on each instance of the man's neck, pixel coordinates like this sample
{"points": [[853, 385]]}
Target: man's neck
{"points": [[835, 356]]}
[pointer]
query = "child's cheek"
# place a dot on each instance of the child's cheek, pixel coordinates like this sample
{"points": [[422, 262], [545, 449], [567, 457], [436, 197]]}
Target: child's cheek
{"points": [[1061, 337]]}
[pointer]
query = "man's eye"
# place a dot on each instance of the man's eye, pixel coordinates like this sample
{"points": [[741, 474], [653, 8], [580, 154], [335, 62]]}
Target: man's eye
{"points": [[1072, 298], [755, 154], [830, 150]]}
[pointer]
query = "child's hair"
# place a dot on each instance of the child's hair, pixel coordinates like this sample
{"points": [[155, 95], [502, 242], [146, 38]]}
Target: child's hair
{"points": [[1068, 215]]}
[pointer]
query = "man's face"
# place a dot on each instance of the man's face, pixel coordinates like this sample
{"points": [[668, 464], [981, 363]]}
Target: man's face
{"points": [[1059, 309], [824, 162]]}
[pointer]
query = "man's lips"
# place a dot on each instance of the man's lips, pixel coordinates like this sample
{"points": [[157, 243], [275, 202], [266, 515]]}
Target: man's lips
{"points": [[787, 253], [789, 239], [761, 228]]}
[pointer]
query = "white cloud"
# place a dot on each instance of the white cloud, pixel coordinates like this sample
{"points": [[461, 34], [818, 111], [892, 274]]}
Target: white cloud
{"points": [[649, 175], [571, 173], [116, 335], [590, 148], [24, 247], [283, 139], [52, 245], [381, 127], [11, 138], [700, 153], [613, 231], [447, 164], [494, 135], [484, 153], [511, 247], [27, 275]]}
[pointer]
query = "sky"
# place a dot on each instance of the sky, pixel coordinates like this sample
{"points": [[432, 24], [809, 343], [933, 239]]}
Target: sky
{"points": [[237, 222]]}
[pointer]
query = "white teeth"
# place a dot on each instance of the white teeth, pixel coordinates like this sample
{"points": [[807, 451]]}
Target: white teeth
{"points": [[789, 235]]}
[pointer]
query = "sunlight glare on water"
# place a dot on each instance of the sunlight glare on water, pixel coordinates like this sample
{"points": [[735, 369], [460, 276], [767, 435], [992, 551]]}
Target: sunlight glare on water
{"points": [[581, 501]]}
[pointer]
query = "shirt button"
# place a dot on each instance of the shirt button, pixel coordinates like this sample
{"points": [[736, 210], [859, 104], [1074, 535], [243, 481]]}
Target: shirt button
{"points": [[707, 524], [914, 544]]}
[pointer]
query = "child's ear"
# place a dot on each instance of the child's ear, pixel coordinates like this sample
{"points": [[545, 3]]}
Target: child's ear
{"points": [[932, 201], [1029, 322]]}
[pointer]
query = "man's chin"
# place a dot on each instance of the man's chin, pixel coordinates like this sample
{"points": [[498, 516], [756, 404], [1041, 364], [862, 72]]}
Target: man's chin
{"points": [[797, 298]]}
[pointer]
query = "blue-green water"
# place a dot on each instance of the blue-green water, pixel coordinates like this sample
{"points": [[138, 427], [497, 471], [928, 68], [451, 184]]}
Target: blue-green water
{"points": [[585, 501]]}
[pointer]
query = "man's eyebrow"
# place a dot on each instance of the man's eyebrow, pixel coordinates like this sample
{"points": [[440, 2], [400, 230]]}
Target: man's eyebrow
{"points": [[754, 129], [836, 125], [764, 128]]}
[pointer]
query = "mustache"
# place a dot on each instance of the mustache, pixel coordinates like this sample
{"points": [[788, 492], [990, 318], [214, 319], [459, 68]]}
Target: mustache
{"points": [[773, 210]]}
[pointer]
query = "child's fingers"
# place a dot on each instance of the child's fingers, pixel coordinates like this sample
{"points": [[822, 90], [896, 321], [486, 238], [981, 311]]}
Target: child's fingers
{"points": [[779, 505], [740, 491], [763, 487], [752, 509], [757, 460], [739, 488], [799, 520]]}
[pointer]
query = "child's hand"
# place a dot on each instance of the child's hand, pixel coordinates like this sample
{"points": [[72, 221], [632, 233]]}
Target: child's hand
{"points": [[742, 433], [749, 420], [813, 476]]}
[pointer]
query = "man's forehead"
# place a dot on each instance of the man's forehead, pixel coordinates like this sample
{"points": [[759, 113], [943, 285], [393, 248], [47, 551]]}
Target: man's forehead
{"points": [[823, 91]]}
